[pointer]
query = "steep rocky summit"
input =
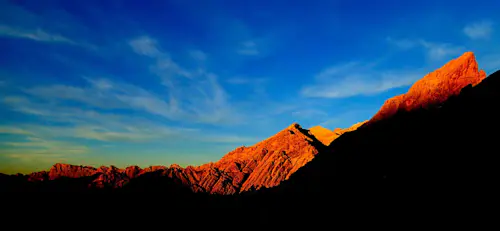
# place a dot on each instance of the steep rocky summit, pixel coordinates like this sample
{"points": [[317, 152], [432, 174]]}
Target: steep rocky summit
{"points": [[436, 87], [264, 164], [326, 136]]}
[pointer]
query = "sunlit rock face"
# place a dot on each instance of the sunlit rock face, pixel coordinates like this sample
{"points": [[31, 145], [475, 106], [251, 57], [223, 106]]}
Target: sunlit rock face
{"points": [[326, 136], [436, 87], [264, 164]]}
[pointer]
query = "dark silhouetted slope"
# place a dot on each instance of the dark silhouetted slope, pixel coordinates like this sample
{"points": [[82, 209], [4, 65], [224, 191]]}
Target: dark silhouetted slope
{"points": [[445, 152]]}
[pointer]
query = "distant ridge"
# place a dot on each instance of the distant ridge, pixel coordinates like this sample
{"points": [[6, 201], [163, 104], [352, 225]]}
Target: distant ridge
{"points": [[265, 164]]}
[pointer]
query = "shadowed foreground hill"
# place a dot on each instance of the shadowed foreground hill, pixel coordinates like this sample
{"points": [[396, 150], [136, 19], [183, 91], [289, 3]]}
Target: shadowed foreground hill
{"points": [[439, 160], [445, 152]]}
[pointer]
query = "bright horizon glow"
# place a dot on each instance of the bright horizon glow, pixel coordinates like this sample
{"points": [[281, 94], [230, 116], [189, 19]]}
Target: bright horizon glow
{"points": [[163, 82]]}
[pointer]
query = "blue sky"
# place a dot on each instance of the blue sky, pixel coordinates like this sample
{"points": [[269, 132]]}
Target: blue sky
{"points": [[161, 82]]}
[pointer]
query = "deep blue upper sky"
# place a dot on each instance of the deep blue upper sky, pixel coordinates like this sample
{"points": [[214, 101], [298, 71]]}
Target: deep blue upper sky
{"points": [[162, 82]]}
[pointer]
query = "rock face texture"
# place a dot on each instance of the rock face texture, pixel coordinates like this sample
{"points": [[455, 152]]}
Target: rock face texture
{"points": [[71, 171], [436, 87], [264, 164], [326, 136]]}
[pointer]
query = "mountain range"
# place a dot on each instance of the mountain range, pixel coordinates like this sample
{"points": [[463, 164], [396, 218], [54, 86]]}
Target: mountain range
{"points": [[434, 144]]}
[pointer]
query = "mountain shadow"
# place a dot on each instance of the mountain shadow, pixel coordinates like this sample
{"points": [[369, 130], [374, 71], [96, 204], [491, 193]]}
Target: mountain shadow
{"points": [[444, 153]]}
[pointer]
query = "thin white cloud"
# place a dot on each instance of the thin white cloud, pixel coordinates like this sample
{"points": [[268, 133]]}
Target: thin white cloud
{"points": [[258, 85], [402, 43], [40, 35], [37, 35], [249, 48], [280, 108], [163, 65], [352, 79], [166, 68], [479, 30], [13, 130], [44, 145], [33, 149], [435, 51], [145, 45], [86, 124], [100, 126], [240, 80], [440, 51], [195, 92], [37, 156], [106, 94], [198, 55]]}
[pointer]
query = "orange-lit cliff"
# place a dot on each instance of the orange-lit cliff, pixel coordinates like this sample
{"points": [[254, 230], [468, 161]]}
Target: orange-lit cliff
{"points": [[264, 164], [326, 136], [434, 88]]}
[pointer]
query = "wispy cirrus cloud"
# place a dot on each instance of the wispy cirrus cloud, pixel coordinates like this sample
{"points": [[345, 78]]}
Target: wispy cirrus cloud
{"points": [[145, 45], [198, 55], [107, 94], [259, 46], [435, 51], [13, 130], [110, 111], [249, 47], [479, 30], [36, 34], [356, 78], [99, 126], [83, 123], [206, 102], [440, 51], [240, 80], [241, 39], [31, 148], [37, 145], [257, 84], [40, 35], [195, 92]]}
